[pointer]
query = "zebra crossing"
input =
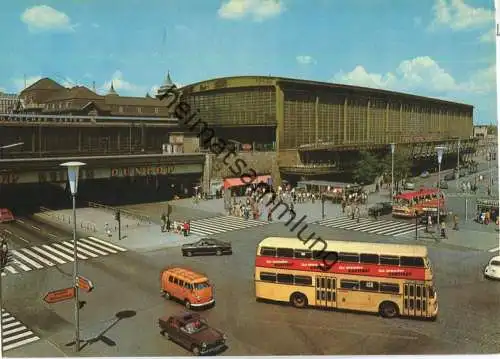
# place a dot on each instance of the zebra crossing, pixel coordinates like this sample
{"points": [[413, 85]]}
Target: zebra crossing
{"points": [[15, 333], [382, 227], [222, 224], [56, 253]]}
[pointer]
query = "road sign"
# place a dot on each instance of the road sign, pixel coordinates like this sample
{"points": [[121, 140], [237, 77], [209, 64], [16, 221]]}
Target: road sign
{"points": [[84, 284], [60, 295]]}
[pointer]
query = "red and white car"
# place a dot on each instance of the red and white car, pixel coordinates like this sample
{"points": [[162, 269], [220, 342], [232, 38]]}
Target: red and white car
{"points": [[492, 270], [6, 216]]}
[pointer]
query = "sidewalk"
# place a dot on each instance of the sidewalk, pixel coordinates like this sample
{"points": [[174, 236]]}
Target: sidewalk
{"points": [[135, 235]]}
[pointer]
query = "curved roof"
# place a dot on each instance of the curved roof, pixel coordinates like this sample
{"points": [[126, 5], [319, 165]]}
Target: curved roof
{"points": [[347, 246], [267, 81]]}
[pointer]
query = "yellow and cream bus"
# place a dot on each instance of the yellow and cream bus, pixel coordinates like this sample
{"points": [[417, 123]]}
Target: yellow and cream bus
{"points": [[391, 279]]}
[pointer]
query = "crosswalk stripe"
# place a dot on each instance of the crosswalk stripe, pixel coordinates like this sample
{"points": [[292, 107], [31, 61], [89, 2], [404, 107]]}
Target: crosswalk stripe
{"points": [[222, 224], [97, 245], [61, 254], [494, 249], [48, 255], [381, 227], [36, 256], [107, 244], [15, 333], [95, 250], [10, 269], [69, 251], [21, 265], [26, 259], [79, 249]]}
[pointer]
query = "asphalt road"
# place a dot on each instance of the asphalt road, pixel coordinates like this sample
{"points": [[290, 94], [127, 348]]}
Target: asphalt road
{"points": [[469, 305]]}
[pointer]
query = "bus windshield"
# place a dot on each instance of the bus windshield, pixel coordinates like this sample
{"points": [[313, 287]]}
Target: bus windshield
{"points": [[200, 286]]}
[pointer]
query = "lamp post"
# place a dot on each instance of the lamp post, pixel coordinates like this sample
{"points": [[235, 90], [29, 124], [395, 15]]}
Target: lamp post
{"points": [[73, 171], [440, 151], [393, 147], [457, 174]]}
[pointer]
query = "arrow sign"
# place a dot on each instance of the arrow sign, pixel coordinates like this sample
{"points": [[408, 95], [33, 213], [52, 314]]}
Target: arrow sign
{"points": [[84, 284], [60, 295]]}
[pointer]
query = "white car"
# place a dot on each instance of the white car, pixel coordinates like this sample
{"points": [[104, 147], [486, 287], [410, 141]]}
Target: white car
{"points": [[409, 185], [492, 270]]}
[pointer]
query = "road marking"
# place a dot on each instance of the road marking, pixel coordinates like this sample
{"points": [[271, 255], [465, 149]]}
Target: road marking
{"points": [[23, 239], [26, 259], [22, 265], [52, 235], [17, 334], [107, 244], [37, 228], [97, 245], [91, 248], [34, 255], [19, 221], [70, 251], [79, 249], [61, 254], [12, 270], [7, 231], [48, 255], [494, 249]]}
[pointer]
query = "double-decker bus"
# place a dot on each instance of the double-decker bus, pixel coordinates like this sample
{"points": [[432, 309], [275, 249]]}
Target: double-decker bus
{"points": [[391, 279], [425, 200]]}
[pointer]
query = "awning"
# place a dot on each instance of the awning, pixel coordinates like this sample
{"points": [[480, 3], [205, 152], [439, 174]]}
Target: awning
{"points": [[235, 182]]}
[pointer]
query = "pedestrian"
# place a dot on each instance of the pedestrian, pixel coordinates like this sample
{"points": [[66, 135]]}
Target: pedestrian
{"points": [[455, 222], [358, 214], [349, 209], [343, 206], [169, 224], [443, 230], [292, 210], [185, 229], [163, 221], [353, 214]]}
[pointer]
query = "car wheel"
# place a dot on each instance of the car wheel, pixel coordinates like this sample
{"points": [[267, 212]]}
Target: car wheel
{"points": [[189, 254], [218, 252], [187, 304], [298, 300], [166, 295], [388, 310], [195, 350]]}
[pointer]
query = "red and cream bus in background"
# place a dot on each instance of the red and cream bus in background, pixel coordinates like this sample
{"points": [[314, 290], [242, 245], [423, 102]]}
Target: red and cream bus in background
{"points": [[425, 200], [390, 279]]}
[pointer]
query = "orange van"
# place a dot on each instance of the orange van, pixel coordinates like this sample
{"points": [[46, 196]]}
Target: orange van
{"points": [[192, 288]]}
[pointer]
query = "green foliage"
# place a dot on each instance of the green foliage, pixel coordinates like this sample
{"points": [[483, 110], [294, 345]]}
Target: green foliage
{"points": [[367, 168], [402, 166], [491, 129]]}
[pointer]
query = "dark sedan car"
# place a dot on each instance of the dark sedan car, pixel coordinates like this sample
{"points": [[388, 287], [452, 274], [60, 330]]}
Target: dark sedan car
{"points": [[192, 332], [207, 246], [380, 208]]}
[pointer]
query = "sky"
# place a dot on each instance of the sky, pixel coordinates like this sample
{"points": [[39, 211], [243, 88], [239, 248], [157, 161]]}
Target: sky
{"points": [[435, 48]]}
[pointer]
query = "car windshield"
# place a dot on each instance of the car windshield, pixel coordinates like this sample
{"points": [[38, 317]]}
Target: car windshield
{"points": [[495, 263], [200, 286], [195, 326]]}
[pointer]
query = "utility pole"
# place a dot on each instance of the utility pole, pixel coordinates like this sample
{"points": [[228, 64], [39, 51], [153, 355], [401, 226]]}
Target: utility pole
{"points": [[118, 218], [393, 147], [323, 206]]}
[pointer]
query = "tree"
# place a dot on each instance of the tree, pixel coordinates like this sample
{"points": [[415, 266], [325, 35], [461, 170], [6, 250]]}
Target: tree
{"points": [[367, 168], [402, 167]]}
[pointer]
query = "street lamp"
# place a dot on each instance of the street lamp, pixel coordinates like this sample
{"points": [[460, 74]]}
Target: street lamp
{"points": [[73, 171], [393, 147], [440, 151], [457, 174]]}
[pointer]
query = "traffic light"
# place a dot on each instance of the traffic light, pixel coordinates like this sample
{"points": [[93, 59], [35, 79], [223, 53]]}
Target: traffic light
{"points": [[117, 215]]}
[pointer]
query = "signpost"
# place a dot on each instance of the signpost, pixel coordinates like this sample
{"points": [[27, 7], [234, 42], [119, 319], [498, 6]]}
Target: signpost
{"points": [[84, 284], [60, 295]]}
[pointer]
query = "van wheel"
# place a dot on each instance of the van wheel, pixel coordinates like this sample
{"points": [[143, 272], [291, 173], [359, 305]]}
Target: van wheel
{"points": [[388, 310], [187, 304], [166, 295], [218, 252], [195, 350], [298, 300], [189, 254]]}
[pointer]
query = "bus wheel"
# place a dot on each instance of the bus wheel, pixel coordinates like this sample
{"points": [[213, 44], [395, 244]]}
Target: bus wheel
{"points": [[298, 300], [388, 310]]}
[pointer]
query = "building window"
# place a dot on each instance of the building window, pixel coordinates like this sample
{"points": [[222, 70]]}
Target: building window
{"points": [[157, 110], [139, 109], [120, 109]]}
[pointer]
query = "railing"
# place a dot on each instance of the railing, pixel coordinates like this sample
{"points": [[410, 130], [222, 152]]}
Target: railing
{"points": [[141, 219], [67, 219]]}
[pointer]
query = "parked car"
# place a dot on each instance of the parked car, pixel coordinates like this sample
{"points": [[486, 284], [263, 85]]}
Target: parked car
{"points": [[207, 246], [492, 270], [380, 208], [409, 185], [190, 288], [425, 174], [6, 216], [192, 332]]}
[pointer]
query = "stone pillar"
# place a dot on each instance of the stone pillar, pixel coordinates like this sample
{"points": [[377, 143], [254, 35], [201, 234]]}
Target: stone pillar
{"points": [[207, 167], [345, 120]]}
